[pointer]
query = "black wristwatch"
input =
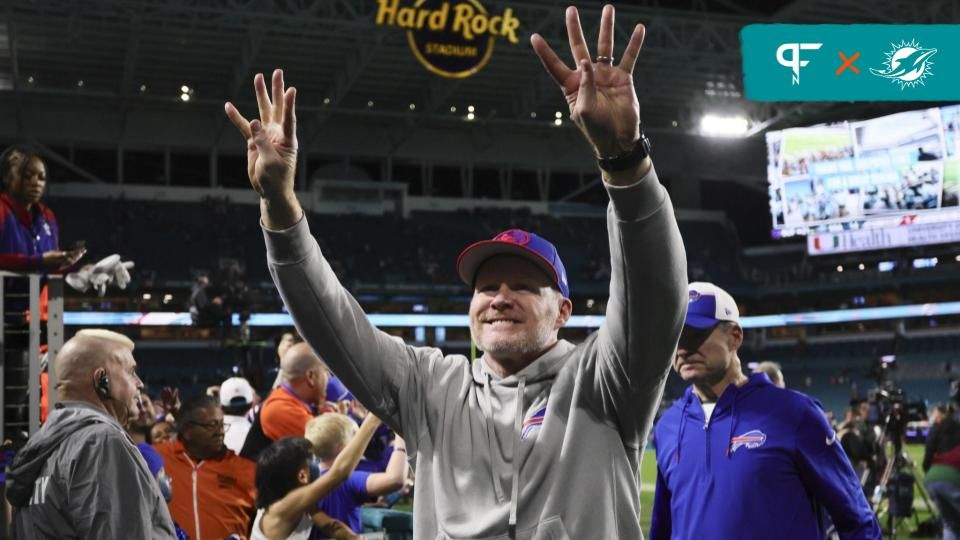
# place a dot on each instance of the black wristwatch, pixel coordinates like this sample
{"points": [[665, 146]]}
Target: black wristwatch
{"points": [[629, 159]]}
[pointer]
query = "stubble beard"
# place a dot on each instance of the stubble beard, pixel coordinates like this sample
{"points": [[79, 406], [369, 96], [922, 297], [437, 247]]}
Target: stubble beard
{"points": [[531, 342]]}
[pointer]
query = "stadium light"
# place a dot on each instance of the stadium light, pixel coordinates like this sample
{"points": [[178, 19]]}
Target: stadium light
{"points": [[839, 268], [724, 126], [926, 262]]}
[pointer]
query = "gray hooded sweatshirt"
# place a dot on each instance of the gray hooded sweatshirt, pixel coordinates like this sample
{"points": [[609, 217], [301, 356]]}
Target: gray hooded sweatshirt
{"points": [[81, 476], [551, 452]]}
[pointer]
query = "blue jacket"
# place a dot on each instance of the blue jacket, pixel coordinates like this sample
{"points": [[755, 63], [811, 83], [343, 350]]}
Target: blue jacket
{"points": [[762, 467], [25, 235]]}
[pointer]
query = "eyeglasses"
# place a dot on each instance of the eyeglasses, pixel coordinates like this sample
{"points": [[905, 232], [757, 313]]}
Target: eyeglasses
{"points": [[212, 426]]}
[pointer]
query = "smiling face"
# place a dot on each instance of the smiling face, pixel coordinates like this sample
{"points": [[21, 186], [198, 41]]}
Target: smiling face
{"points": [[515, 312], [710, 361]]}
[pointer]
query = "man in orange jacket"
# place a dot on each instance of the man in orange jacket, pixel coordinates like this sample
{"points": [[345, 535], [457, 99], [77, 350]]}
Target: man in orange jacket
{"points": [[214, 492]]}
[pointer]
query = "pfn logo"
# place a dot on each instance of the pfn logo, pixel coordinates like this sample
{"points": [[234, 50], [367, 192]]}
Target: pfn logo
{"points": [[794, 62]]}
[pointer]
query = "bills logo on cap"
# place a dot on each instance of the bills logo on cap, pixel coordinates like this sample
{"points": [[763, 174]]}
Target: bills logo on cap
{"points": [[514, 236], [694, 296], [751, 439]]}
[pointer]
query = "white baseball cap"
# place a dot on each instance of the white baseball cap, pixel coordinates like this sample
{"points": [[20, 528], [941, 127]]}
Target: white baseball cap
{"points": [[236, 391], [709, 305]]}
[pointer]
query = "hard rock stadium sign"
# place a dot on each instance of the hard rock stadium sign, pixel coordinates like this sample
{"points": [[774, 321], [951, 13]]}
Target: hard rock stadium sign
{"points": [[452, 39]]}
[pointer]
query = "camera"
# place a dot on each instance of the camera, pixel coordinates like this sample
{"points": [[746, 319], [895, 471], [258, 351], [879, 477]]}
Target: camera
{"points": [[889, 405]]}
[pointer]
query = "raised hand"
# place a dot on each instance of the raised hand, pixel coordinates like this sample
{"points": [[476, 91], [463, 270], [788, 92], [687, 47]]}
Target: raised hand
{"points": [[272, 148], [602, 100], [170, 397]]}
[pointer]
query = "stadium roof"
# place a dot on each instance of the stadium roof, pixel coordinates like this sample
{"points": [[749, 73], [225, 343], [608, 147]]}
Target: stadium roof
{"points": [[137, 55]]}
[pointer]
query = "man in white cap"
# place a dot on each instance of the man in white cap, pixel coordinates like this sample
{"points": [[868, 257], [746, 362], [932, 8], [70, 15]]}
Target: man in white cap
{"points": [[236, 398], [741, 457]]}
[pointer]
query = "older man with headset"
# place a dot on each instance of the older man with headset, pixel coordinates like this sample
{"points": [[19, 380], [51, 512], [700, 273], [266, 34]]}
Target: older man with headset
{"points": [[81, 476]]}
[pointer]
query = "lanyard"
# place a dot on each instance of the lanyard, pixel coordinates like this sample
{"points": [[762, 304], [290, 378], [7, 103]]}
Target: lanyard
{"points": [[311, 408]]}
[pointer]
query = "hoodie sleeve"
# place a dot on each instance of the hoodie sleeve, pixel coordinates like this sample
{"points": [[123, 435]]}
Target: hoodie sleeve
{"points": [[827, 473], [109, 495], [376, 367], [628, 362], [661, 528]]}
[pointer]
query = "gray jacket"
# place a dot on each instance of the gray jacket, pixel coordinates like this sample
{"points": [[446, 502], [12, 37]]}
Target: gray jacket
{"points": [[81, 476], [552, 452]]}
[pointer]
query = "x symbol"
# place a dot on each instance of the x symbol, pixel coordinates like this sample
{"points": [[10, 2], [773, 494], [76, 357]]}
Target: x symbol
{"points": [[848, 62]]}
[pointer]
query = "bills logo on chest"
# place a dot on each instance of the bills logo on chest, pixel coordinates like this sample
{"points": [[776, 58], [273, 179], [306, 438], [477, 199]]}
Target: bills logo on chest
{"points": [[751, 439], [532, 423]]}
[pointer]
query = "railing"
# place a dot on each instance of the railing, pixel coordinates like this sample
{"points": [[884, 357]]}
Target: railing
{"points": [[18, 323]]}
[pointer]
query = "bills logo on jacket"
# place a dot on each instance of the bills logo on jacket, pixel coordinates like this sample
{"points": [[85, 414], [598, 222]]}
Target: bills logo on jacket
{"points": [[750, 439], [531, 425]]}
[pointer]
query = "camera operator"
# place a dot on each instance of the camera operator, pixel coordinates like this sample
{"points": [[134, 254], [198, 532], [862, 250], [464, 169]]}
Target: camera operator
{"points": [[941, 463], [213, 302], [857, 438]]}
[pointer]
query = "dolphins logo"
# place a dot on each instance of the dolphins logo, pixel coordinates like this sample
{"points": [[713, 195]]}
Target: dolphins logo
{"points": [[907, 64]]}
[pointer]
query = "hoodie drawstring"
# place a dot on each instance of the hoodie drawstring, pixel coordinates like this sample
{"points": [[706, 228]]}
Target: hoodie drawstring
{"points": [[733, 425], [518, 429], [683, 424], [497, 488]]}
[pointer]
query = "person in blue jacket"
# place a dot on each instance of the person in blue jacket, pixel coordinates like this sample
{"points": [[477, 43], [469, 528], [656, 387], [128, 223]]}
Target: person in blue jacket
{"points": [[738, 457], [29, 236]]}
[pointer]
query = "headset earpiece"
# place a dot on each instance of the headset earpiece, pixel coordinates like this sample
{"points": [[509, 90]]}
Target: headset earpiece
{"points": [[103, 386]]}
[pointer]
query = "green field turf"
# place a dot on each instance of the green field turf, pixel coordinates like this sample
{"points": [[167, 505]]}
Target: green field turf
{"points": [[648, 477], [795, 143], [951, 175]]}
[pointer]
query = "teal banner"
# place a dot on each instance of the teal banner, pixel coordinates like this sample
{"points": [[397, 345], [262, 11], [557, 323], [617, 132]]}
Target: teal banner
{"points": [[851, 62]]}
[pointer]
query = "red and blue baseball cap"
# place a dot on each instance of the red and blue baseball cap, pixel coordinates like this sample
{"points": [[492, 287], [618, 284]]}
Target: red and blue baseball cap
{"points": [[709, 305], [518, 242]]}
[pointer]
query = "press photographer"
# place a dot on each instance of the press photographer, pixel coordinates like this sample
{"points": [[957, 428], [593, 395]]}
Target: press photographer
{"points": [[941, 463]]}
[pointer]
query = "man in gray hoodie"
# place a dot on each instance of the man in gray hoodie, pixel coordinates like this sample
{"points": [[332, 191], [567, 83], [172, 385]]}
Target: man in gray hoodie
{"points": [[539, 438], [81, 476]]}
